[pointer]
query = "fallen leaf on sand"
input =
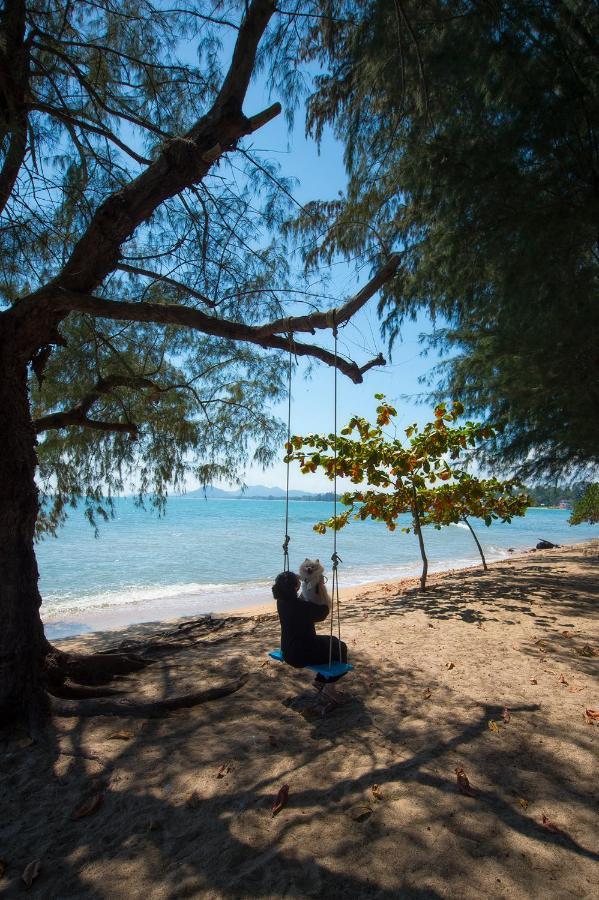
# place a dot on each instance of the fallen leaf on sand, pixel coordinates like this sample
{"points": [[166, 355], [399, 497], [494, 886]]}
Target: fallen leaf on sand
{"points": [[450, 665], [567, 634], [463, 783], [31, 872], [360, 812], [3, 866], [120, 736], [428, 694], [224, 770], [574, 690], [430, 625], [376, 792], [280, 800], [522, 802], [592, 713], [506, 715], [88, 808], [562, 680], [585, 650], [533, 680], [492, 725], [551, 826]]}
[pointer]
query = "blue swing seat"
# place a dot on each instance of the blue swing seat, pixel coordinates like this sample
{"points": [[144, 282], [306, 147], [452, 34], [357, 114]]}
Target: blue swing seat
{"points": [[336, 668]]}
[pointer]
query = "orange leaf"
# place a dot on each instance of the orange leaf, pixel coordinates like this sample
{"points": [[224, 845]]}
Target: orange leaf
{"points": [[592, 713], [31, 872], [463, 783], [120, 736], [492, 725], [87, 808], [280, 800], [376, 792]]}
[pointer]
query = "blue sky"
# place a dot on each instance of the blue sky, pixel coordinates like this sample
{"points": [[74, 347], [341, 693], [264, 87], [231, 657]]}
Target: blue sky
{"points": [[321, 175]]}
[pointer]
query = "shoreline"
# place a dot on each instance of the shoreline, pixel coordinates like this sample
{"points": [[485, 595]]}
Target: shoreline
{"points": [[111, 627]]}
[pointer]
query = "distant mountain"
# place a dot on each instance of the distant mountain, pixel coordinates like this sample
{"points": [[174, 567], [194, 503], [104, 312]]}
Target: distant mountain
{"points": [[252, 492]]}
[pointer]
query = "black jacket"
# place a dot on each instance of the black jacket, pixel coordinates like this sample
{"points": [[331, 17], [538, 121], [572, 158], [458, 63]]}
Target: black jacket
{"points": [[297, 626]]}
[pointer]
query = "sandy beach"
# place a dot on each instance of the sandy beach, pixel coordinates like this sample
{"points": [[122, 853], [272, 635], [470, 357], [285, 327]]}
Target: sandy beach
{"points": [[487, 674]]}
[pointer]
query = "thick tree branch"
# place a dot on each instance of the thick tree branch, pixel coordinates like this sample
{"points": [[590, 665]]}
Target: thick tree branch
{"points": [[267, 336], [184, 161], [78, 414], [14, 85]]}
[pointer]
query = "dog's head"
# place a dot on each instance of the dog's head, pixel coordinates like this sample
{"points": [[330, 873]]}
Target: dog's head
{"points": [[310, 569]]}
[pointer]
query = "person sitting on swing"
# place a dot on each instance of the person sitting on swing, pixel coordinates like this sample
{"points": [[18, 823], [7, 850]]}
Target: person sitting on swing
{"points": [[300, 645]]}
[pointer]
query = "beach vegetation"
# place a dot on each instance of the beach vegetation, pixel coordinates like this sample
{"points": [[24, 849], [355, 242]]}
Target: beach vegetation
{"points": [[586, 508], [471, 134], [424, 475]]}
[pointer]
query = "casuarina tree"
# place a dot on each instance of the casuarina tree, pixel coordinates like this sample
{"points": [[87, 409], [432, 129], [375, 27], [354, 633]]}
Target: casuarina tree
{"points": [[144, 303]]}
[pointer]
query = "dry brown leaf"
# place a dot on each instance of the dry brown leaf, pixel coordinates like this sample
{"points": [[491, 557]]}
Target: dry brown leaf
{"points": [[551, 826], [567, 634], [506, 715], [88, 808], [592, 713], [3, 867], [428, 694], [533, 681], [492, 725], [280, 800], [224, 770], [360, 812], [120, 736], [522, 802], [464, 783], [376, 792], [575, 690], [30, 872], [450, 665], [585, 650], [562, 680]]}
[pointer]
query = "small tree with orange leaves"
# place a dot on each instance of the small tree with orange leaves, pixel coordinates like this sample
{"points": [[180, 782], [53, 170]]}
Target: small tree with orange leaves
{"points": [[423, 477]]}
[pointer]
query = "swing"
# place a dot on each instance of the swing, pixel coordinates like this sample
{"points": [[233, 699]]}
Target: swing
{"points": [[338, 668]]}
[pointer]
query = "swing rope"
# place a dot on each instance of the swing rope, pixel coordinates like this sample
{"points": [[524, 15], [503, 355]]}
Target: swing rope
{"points": [[287, 538], [335, 558]]}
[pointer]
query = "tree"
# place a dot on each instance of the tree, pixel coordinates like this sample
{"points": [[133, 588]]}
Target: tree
{"points": [[586, 508], [144, 303], [471, 130], [425, 477]]}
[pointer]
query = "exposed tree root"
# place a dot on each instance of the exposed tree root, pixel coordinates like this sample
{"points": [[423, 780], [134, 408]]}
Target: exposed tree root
{"points": [[70, 691], [145, 710], [92, 668]]}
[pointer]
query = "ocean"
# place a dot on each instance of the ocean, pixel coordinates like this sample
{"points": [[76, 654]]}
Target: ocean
{"points": [[210, 556]]}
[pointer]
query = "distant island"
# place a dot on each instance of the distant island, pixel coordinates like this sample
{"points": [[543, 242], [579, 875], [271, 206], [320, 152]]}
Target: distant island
{"points": [[257, 492]]}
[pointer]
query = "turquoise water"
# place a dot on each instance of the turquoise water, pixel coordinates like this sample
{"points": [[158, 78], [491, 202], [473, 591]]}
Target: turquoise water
{"points": [[213, 555]]}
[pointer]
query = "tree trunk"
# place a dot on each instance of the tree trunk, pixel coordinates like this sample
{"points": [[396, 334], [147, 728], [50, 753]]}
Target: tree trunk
{"points": [[476, 541], [22, 642], [418, 530]]}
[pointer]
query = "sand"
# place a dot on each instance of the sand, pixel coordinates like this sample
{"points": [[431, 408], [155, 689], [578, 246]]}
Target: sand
{"points": [[489, 673]]}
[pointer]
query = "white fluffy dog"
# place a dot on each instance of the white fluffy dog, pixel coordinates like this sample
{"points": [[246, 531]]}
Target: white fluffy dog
{"points": [[312, 577]]}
